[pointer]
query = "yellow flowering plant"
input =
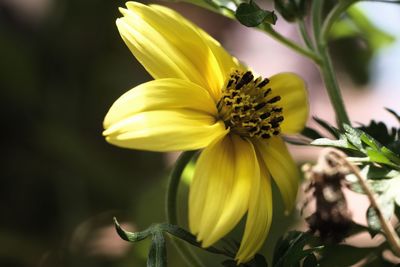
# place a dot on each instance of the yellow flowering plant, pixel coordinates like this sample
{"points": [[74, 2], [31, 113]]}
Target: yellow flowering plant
{"points": [[204, 99]]}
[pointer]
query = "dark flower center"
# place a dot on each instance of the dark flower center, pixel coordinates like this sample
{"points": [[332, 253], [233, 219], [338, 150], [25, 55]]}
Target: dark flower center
{"points": [[247, 107]]}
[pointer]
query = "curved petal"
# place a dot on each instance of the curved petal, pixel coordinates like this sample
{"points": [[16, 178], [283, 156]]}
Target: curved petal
{"points": [[161, 94], [282, 168], [220, 189], [294, 100], [166, 130], [246, 170], [259, 217], [169, 46], [212, 181]]}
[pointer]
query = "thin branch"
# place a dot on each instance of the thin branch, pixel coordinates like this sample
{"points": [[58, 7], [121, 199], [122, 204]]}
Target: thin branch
{"points": [[387, 227]]}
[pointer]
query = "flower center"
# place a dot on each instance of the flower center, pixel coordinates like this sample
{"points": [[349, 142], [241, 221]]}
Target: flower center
{"points": [[247, 107]]}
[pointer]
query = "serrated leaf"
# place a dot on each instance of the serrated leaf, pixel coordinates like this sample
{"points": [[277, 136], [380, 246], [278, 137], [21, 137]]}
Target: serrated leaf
{"points": [[289, 251], [353, 136], [390, 155], [371, 142], [332, 143], [380, 132], [251, 15]]}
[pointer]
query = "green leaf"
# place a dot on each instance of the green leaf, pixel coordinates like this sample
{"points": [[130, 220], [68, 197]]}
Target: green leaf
{"points": [[331, 129], [376, 37], [357, 24], [380, 132], [353, 136], [289, 250], [392, 156], [368, 140], [128, 236], [378, 157], [251, 15], [311, 133], [333, 143]]}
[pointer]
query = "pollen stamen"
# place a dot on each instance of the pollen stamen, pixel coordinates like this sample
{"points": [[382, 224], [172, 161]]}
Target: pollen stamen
{"points": [[248, 108]]}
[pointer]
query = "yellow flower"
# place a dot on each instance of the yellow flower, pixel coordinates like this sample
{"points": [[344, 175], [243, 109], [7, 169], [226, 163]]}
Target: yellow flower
{"points": [[203, 98]]}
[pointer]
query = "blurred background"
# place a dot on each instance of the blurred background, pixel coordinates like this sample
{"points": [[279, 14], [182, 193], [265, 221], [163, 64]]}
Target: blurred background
{"points": [[62, 64]]}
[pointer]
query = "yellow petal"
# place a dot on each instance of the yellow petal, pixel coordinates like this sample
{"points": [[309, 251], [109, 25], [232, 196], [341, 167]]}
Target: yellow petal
{"points": [[161, 94], [259, 217], [282, 168], [165, 130], [294, 100], [212, 179], [169, 46], [246, 170]]}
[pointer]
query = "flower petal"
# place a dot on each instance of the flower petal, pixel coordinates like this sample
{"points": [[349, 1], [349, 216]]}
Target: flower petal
{"points": [[166, 130], [294, 100], [169, 46], [282, 168], [161, 94], [246, 170], [212, 180], [259, 217]]}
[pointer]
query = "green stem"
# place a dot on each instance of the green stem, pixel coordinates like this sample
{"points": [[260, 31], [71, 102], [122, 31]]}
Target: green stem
{"points": [[304, 35], [316, 11], [325, 66], [332, 87], [289, 43], [171, 206], [173, 186]]}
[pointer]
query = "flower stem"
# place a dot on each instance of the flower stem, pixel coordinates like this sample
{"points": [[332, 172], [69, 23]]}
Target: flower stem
{"points": [[325, 65], [304, 34], [332, 88], [387, 228], [289, 43], [171, 205], [316, 12]]}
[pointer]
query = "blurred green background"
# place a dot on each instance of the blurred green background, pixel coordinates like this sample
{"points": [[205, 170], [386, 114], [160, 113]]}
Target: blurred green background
{"points": [[62, 64], [60, 70]]}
